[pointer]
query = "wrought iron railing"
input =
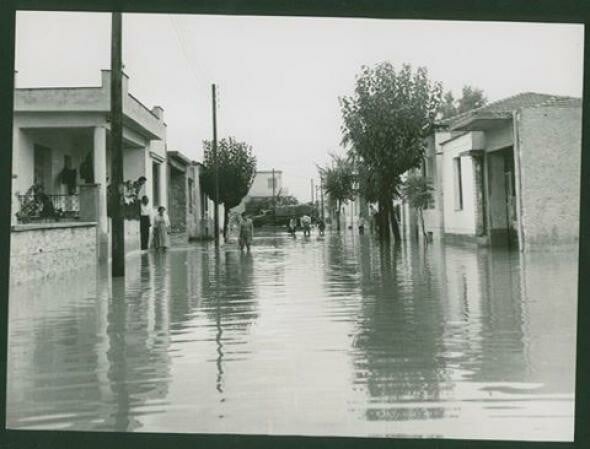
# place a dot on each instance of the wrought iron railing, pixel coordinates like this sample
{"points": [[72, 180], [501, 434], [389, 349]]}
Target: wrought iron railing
{"points": [[42, 207]]}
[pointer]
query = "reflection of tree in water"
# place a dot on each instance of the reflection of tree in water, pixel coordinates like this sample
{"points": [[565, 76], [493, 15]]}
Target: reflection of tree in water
{"points": [[184, 277], [229, 300], [399, 335], [230, 283], [139, 339], [342, 268]]}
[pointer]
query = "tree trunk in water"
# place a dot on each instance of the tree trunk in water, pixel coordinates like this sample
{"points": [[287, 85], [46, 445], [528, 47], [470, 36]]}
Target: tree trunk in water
{"points": [[225, 223], [338, 217], [423, 227], [394, 223], [383, 221]]}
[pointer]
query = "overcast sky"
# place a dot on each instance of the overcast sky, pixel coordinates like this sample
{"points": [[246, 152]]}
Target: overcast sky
{"points": [[279, 79]]}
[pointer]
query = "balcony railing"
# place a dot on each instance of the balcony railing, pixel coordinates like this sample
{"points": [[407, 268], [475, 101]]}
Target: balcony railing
{"points": [[42, 207]]}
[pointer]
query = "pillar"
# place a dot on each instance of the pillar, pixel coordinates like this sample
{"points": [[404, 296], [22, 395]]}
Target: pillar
{"points": [[480, 209], [14, 204], [100, 178]]}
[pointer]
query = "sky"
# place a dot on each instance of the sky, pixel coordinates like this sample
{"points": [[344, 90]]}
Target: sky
{"points": [[279, 79]]}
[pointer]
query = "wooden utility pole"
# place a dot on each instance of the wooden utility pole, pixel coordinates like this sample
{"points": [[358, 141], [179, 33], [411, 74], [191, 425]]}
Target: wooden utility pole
{"points": [[216, 162], [322, 195], [274, 206], [117, 219]]}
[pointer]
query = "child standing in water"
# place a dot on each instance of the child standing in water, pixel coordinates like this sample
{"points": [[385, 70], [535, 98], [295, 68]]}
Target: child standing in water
{"points": [[161, 240], [292, 226], [246, 232]]}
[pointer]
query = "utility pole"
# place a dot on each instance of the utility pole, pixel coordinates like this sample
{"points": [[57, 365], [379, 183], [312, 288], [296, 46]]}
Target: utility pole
{"points": [[274, 206], [216, 162], [317, 200], [322, 195], [117, 219]]}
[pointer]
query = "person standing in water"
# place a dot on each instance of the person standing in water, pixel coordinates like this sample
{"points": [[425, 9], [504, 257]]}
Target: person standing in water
{"points": [[306, 224], [161, 239], [246, 232], [292, 226], [145, 221]]}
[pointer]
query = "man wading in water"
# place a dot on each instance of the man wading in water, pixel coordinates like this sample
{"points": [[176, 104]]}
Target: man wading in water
{"points": [[246, 232]]}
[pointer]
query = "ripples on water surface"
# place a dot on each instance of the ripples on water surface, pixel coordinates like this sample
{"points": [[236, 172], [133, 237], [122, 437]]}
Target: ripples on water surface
{"points": [[314, 336]]}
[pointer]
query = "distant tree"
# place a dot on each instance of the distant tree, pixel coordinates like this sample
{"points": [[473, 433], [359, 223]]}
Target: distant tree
{"points": [[281, 199], [385, 122], [418, 192], [448, 106], [471, 98], [237, 168], [338, 180]]}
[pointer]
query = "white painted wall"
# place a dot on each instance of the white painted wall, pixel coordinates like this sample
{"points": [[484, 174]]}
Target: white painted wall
{"points": [[459, 221], [261, 187]]}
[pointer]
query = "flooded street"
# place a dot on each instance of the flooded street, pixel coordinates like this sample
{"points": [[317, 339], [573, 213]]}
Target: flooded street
{"points": [[316, 336]]}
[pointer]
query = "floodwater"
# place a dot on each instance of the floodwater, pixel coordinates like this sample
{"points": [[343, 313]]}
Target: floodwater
{"points": [[316, 336]]}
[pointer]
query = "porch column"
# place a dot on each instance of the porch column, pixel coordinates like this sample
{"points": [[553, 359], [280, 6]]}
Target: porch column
{"points": [[100, 178], [480, 217], [14, 204]]}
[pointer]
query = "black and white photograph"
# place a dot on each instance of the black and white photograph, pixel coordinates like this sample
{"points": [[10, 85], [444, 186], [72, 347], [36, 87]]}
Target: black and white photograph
{"points": [[304, 226]]}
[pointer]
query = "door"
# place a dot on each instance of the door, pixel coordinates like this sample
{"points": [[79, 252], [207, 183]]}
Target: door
{"points": [[510, 189], [42, 167]]}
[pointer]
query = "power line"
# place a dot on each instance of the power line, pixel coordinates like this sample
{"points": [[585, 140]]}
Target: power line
{"points": [[180, 42]]}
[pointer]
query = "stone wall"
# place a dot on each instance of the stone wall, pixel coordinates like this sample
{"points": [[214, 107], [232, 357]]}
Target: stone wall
{"points": [[550, 144], [42, 250], [177, 199]]}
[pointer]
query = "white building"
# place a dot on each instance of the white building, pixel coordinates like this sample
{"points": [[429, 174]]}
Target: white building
{"points": [[508, 173], [266, 184], [66, 130]]}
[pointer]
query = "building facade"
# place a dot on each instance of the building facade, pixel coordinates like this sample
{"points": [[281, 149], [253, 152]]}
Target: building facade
{"points": [[510, 173], [266, 184], [61, 147]]}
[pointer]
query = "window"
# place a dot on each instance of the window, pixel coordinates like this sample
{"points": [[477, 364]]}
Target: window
{"points": [[271, 183], [458, 184], [155, 184]]}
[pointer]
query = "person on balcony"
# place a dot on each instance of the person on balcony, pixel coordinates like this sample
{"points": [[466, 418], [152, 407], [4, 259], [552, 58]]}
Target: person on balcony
{"points": [[46, 208]]}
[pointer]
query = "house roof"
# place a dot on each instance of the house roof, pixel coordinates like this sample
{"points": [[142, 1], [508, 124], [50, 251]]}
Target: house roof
{"points": [[179, 156], [482, 118]]}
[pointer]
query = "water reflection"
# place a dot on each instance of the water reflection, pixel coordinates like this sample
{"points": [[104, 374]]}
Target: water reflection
{"points": [[398, 337], [317, 336]]}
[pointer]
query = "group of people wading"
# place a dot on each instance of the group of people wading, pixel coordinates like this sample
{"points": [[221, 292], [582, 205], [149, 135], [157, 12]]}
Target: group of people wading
{"points": [[305, 224]]}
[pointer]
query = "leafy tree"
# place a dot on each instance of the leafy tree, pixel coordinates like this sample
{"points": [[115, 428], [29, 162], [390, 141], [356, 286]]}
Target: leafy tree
{"points": [[448, 106], [237, 168], [418, 191], [471, 98], [338, 181], [385, 122]]}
